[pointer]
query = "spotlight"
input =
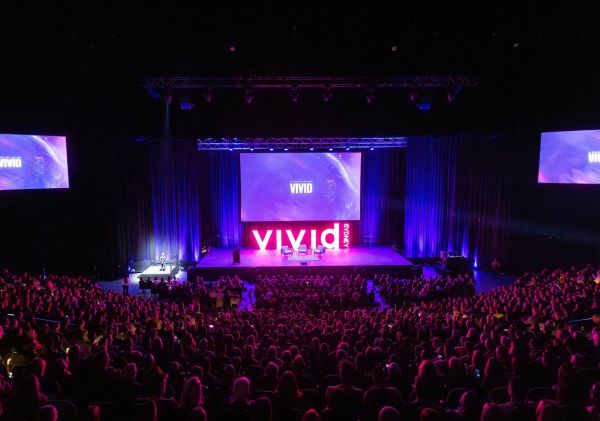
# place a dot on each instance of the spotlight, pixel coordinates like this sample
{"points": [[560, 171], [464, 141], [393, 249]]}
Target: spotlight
{"points": [[248, 95], [230, 149], [370, 95], [312, 149], [271, 149], [371, 148], [185, 105], [330, 149], [231, 48], [394, 48], [251, 149], [327, 94], [347, 149], [285, 149], [294, 94], [207, 95]]}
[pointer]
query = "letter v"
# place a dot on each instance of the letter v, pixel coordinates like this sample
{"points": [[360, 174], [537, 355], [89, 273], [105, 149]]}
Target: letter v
{"points": [[262, 243], [295, 242]]}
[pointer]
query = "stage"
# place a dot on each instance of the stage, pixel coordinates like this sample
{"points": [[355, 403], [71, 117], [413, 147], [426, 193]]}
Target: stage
{"points": [[154, 272], [364, 260]]}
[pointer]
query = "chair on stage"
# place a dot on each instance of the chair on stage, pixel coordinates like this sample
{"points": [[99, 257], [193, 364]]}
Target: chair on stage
{"points": [[302, 249], [286, 251], [320, 250]]}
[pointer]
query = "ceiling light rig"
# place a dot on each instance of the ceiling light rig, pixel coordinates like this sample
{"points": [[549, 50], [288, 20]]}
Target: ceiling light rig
{"points": [[304, 143], [418, 86]]}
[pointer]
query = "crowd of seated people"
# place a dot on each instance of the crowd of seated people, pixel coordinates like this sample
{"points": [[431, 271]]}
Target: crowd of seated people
{"points": [[71, 350], [309, 293], [223, 294], [418, 288]]}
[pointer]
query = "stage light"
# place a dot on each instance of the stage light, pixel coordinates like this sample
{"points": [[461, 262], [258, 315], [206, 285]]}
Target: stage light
{"points": [[370, 95], [231, 48], [327, 95], [285, 149], [186, 105], [312, 149], [231, 149], [271, 149], [372, 148], [330, 149], [394, 48], [207, 95], [347, 149], [251, 149]]}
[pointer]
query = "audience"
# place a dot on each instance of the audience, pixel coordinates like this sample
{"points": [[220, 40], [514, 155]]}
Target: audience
{"points": [[314, 348]]}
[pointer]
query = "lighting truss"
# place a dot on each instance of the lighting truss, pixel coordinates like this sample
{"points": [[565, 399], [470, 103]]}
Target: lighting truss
{"points": [[279, 143], [154, 84]]}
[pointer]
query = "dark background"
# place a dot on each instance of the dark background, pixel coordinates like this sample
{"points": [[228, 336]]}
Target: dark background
{"points": [[77, 70]]}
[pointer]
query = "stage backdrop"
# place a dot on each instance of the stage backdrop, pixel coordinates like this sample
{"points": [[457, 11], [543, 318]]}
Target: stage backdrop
{"points": [[176, 198]]}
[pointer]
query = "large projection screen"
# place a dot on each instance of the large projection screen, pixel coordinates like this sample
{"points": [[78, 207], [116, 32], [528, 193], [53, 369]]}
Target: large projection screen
{"points": [[295, 186], [33, 162], [570, 157]]}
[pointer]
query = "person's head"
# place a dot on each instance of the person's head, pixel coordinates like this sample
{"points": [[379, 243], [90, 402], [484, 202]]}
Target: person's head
{"points": [[241, 389], [191, 395], [145, 410], [37, 366], [271, 370], [157, 385], [47, 413], [197, 414], [516, 390], [346, 372], [595, 394], [378, 374], [427, 369], [311, 415], [288, 386], [389, 413], [468, 401], [29, 389], [129, 373], [91, 413], [492, 412]]}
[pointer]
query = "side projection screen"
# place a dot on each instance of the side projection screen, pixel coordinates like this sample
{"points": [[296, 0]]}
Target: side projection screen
{"points": [[570, 157], [33, 162], [300, 186]]}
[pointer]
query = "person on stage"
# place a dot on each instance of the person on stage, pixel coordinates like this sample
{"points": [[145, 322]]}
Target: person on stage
{"points": [[163, 259], [126, 285], [496, 267]]}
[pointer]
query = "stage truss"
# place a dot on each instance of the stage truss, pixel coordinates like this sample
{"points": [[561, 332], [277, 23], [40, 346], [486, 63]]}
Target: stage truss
{"points": [[303, 143]]}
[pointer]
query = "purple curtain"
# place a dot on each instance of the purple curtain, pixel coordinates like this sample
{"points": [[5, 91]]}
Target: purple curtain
{"points": [[455, 197]]}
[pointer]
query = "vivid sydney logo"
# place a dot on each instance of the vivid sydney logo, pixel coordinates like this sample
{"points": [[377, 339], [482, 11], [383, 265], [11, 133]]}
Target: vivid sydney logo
{"points": [[594, 157], [328, 238], [10, 162], [301, 187]]}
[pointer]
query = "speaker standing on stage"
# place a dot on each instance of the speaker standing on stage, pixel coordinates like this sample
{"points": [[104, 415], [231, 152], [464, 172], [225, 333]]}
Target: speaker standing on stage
{"points": [[126, 285], [163, 259]]}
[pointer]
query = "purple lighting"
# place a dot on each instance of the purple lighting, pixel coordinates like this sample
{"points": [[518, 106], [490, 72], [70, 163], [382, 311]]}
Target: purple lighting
{"points": [[300, 186]]}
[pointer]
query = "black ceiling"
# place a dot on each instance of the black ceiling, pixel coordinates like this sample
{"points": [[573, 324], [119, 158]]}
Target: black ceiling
{"points": [[68, 66]]}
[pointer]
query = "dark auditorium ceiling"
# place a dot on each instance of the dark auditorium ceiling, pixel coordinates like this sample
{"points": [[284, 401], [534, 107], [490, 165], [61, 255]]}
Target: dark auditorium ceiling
{"points": [[74, 67]]}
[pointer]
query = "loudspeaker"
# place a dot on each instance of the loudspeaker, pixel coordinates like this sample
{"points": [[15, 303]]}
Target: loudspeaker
{"points": [[236, 255]]}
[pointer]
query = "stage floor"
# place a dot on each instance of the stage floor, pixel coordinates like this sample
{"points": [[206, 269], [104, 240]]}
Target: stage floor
{"points": [[153, 271], [383, 256]]}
